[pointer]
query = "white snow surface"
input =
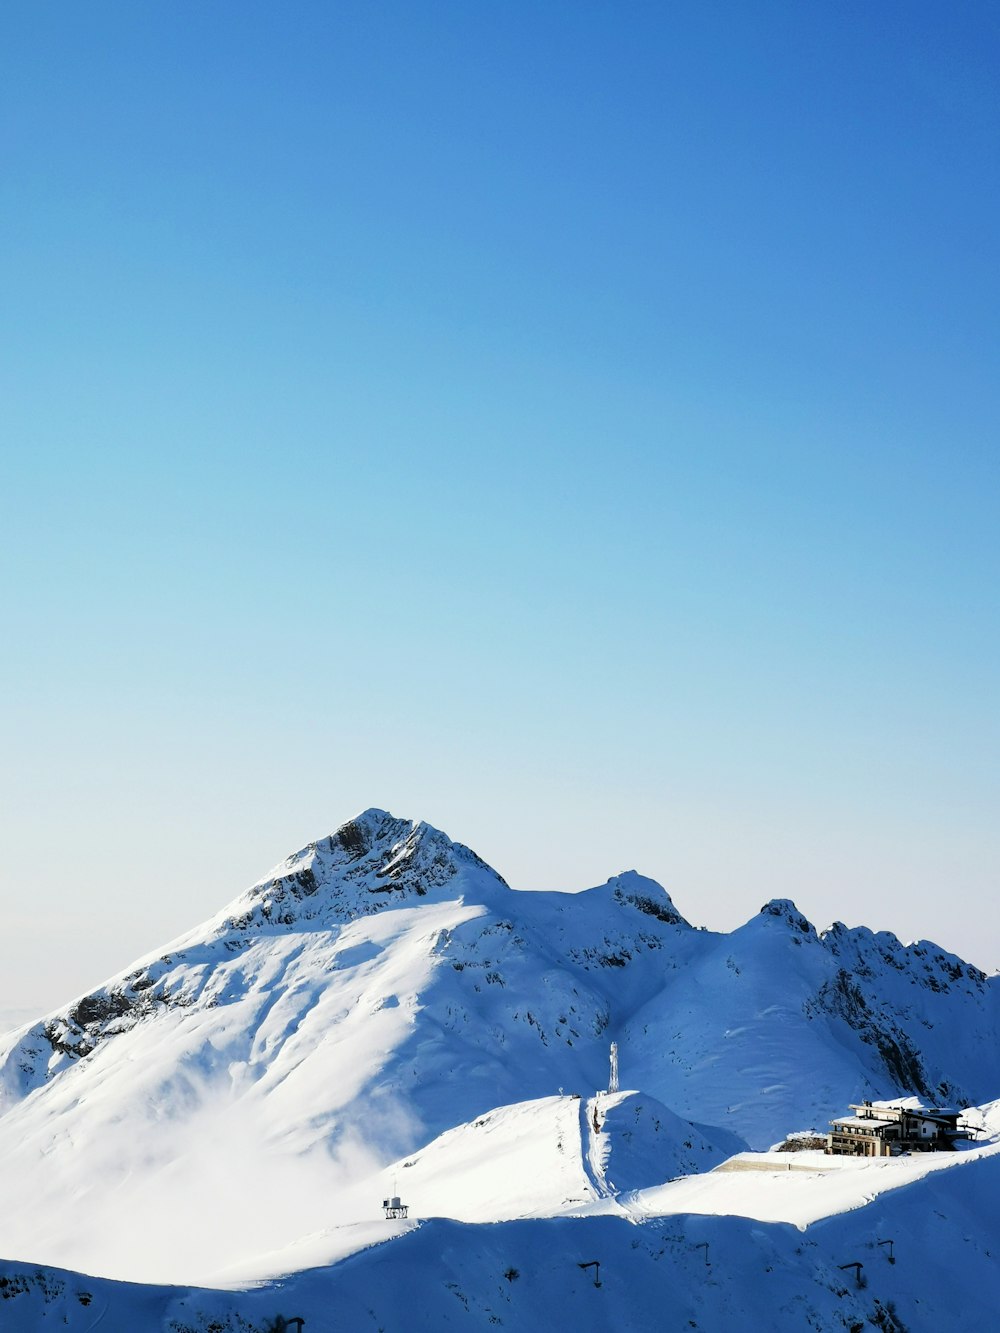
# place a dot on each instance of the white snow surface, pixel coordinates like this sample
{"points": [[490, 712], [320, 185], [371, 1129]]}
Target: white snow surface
{"points": [[382, 1014]]}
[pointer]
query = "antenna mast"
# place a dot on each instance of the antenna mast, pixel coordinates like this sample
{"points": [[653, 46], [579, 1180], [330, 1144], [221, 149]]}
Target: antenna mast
{"points": [[613, 1080]]}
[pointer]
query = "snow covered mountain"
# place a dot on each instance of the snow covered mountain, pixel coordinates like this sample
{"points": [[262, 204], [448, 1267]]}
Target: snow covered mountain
{"points": [[383, 1010]]}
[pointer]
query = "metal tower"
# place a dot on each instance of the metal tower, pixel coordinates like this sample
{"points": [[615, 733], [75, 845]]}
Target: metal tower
{"points": [[613, 1080]]}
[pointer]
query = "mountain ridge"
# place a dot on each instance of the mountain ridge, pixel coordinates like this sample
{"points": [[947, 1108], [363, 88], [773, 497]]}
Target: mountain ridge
{"points": [[377, 862], [383, 986]]}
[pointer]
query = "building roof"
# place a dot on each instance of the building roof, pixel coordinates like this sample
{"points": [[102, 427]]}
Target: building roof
{"points": [[864, 1121], [896, 1111], [909, 1105]]}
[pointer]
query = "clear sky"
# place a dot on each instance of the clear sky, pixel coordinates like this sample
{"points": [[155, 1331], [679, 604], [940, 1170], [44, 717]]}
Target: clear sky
{"points": [[573, 424]]}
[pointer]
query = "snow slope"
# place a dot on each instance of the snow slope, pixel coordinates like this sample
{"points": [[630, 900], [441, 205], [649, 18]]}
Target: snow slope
{"points": [[383, 1008], [775, 1026], [711, 1273]]}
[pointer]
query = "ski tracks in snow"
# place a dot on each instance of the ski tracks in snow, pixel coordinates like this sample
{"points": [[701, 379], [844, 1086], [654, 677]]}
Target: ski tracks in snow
{"points": [[592, 1151]]}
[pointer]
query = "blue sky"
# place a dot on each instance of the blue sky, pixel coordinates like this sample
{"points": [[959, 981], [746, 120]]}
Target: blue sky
{"points": [[572, 424]]}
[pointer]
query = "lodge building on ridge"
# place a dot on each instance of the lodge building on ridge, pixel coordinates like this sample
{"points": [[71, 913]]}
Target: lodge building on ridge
{"points": [[885, 1129]]}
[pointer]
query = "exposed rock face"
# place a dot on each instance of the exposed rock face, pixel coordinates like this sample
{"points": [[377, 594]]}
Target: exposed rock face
{"points": [[371, 862], [787, 913]]}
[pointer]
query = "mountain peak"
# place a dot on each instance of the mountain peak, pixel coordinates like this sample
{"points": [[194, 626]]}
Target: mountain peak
{"points": [[785, 910], [647, 895], [372, 861]]}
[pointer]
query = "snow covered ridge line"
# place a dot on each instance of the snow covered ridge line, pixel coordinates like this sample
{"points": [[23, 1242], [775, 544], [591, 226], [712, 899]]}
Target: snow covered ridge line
{"points": [[866, 1015], [372, 863]]}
